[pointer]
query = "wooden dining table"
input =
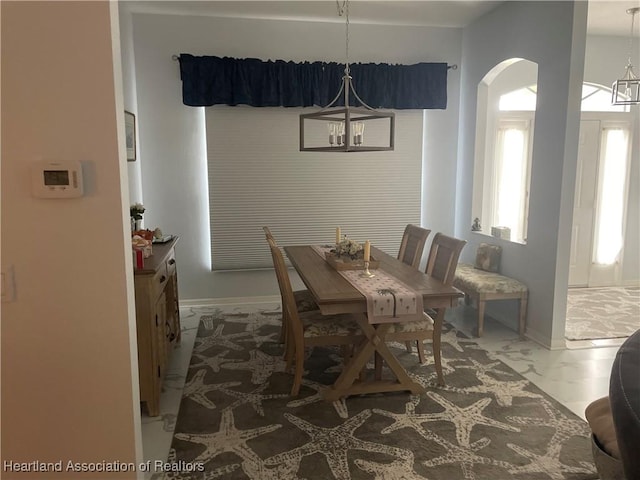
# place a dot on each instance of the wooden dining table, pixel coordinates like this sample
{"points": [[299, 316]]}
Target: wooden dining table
{"points": [[334, 294]]}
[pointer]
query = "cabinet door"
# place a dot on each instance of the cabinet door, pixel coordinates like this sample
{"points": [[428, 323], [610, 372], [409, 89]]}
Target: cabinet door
{"points": [[173, 309], [160, 344]]}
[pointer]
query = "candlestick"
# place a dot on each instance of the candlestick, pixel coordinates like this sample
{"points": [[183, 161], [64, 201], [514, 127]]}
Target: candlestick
{"points": [[367, 251], [337, 235], [366, 272]]}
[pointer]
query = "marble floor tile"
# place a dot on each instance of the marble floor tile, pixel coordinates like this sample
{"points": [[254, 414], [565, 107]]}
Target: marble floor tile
{"points": [[574, 376], [157, 432]]}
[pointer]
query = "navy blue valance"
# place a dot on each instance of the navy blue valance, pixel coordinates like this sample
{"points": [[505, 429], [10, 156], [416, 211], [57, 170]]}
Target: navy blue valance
{"points": [[209, 80]]}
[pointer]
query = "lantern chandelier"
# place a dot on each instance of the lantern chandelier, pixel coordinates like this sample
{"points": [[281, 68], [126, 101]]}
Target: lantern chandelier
{"points": [[626, 91], [342, 129]]}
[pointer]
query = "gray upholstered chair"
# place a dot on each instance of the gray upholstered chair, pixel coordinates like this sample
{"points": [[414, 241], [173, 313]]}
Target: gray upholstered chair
{"points": [[615, 419], [624, 397], [604, 445]]}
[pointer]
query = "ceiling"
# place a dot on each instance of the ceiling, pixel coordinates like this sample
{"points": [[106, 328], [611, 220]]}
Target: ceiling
{"points": [[606, 17]]}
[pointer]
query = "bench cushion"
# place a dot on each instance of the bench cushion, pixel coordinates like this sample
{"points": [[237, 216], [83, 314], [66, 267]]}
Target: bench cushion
{"points": [[471, 279]]}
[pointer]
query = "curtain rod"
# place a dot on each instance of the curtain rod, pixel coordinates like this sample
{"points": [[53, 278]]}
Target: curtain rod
{"points": [[175, 58]]}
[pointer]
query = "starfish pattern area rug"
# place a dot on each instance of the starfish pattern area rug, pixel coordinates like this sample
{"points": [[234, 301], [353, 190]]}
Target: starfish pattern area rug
{"points": [[238, 421], [608, 312]]}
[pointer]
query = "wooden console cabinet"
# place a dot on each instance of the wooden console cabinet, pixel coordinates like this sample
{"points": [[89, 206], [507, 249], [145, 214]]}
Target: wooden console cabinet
{"points": [[157, 319]]}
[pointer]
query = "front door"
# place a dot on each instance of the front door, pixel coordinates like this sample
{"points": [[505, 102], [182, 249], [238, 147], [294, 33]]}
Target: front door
{"points": [[584, 206], [600, 203]]}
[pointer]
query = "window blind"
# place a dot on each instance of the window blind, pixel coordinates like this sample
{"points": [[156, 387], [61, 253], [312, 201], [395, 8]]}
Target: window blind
{"points": [[258, 177]]}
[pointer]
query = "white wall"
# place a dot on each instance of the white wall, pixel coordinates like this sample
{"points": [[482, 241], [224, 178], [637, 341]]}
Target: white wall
{"points": [[134, 172], [69, 363], [171, 135], [513, 31]]}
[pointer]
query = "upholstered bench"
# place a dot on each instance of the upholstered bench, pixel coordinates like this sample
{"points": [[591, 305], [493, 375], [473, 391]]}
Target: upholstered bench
{"points": [[483, 286]]}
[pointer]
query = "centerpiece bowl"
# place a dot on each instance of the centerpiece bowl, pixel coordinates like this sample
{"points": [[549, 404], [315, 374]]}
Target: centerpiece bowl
{"points": [[349, 255]]}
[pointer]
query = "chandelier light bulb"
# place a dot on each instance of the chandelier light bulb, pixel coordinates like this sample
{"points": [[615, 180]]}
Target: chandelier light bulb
{"points": [[332, 133]]}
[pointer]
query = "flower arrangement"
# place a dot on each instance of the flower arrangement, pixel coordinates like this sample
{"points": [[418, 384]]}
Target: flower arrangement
{"points": [[136, 210], [349, 248]]}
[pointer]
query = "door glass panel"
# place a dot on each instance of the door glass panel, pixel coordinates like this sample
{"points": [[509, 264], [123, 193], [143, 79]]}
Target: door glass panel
{"points": [[511, 174], [611, 198]]}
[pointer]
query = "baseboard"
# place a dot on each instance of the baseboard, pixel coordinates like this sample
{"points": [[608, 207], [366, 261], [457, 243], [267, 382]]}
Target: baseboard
{"points": [[207, 302], [543, 340], [527, 333], [625, 284]]}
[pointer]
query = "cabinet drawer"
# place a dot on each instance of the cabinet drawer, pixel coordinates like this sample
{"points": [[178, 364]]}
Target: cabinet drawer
{"points": [[159, 281], [171, 262]]}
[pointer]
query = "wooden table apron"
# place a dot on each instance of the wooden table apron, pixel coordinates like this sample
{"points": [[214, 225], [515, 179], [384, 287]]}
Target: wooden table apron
{"points": [[335, 294]]}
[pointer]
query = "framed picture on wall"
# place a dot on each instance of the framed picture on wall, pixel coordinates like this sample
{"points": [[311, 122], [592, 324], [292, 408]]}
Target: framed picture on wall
{"points": [[130, 130]]}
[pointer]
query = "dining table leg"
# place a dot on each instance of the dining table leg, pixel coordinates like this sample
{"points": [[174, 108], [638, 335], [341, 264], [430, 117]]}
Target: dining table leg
{"points": [[437, 334], [348, 382]]}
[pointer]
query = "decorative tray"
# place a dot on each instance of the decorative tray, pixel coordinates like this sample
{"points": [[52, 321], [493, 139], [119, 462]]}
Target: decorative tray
{"points": [[346, 263]]}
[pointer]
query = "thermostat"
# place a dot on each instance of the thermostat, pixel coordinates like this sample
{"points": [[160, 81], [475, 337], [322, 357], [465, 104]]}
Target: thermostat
{"points": [[59, 179]]}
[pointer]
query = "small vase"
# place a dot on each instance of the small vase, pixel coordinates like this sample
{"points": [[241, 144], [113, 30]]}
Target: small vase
{"points": [[138, 225]]}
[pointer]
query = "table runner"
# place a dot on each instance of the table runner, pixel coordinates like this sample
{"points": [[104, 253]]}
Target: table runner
{"points": [[388, 299]]}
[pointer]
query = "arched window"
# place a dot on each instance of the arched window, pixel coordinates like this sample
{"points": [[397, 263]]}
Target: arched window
{"points": [[504, 139], [595, 98], [505, 126], [522, 99]]}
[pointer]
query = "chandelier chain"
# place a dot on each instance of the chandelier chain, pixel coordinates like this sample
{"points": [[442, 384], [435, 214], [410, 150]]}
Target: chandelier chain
{"points": [[343, 10], [633, 17], [347, 122]]}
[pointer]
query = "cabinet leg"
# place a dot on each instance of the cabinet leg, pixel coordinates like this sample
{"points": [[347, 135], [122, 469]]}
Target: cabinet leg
{"points": [[153, 407]]}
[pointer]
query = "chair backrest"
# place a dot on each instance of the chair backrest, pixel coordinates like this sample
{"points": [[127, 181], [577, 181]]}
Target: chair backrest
{"points": [[267, 233], [412, 245], [286, 292], [443, 257]]}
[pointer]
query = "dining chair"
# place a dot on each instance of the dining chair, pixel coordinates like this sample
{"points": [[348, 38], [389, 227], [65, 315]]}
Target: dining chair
{"points": [[268, 234], [441, 264], [412, 245], [443, 257], [411, 249], [310, 328], [303, 299]]}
